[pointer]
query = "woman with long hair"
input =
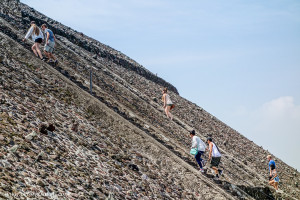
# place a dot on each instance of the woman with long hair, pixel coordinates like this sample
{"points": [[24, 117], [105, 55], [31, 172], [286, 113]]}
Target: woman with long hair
{"points": [[168, 104], [37, 36]]}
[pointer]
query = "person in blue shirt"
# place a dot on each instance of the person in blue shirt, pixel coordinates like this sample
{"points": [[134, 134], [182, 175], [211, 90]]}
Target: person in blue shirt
{"points": [[271, 162], [49, 44], [274, 179]]}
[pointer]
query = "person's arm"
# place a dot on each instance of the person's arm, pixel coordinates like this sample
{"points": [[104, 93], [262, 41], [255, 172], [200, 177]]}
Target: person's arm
{"points": [[29, 32], [273, 175], [54, 40], [210, 150], [164, 99], [47, 37]]}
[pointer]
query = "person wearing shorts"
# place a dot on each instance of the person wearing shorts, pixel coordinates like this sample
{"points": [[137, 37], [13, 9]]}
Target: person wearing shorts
{"points": [[214, 157], [215, 161], [49, 44], [37, 36], [168, 104], [274, 179]]}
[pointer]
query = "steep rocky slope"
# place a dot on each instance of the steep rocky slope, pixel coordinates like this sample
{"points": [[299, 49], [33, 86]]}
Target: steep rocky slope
{"points": [[116, 142]]}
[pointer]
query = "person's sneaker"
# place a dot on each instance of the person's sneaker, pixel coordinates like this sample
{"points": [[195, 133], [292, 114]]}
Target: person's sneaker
{"points": [[55, 62], [201, 170], [220, 172], [50, 61], [217, 176], [44, 59]]}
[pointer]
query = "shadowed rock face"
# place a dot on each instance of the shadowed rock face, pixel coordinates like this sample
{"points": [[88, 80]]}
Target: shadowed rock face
{"points": [[116, 142]]}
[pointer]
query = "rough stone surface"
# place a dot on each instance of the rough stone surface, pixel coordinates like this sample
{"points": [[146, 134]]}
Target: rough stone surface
{"points": [[117, 142]]}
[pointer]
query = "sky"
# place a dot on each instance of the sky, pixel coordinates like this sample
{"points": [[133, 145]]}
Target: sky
{"points": [[239, 60]]}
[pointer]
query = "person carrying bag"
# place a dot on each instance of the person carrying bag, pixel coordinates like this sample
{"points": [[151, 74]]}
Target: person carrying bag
{"points": [[198, 148]]}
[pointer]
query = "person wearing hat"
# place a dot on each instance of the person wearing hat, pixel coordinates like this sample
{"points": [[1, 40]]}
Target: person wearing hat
{"points": [[200, 146], [37, 36], [214, 157]]}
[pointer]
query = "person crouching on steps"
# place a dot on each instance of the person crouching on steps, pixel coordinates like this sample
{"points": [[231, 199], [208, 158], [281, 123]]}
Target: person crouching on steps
{"points": [[198, 144], [37, 36], [214, 157], [168, 104], [49, 44]]}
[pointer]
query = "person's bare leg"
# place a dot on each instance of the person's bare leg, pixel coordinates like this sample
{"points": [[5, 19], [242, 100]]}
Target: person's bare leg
{"points": [[52, 56], [216, 170], [276, 185], [33, 49], [38, 50], [272, 183], [169, 113], [166, 111], [47, 54]]}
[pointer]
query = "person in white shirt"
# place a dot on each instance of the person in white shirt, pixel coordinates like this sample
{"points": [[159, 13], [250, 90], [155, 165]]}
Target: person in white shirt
{"points": [[168, 104], [214, 157], [200, 146], [37, 36]]}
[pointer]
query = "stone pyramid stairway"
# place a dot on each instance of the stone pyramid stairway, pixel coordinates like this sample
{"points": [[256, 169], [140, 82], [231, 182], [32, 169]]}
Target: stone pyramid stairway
{"points": [[125, 105]]}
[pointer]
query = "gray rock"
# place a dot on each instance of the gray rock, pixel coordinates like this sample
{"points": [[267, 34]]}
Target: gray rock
{"points": [[31, 135], [14, 148]]}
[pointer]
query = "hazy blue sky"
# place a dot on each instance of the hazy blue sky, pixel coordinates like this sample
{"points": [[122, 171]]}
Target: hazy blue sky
{"points": [[239, 60]]}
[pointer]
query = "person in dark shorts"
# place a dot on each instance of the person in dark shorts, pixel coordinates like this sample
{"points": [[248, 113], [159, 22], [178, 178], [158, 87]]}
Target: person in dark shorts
{"points": [[214, 157], [37, 36], [49, 44]]}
